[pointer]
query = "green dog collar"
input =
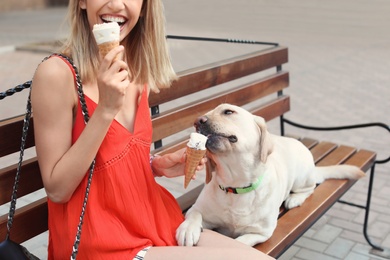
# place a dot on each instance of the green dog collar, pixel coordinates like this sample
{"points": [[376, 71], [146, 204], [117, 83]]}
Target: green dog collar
{"points": [[242, 190]]}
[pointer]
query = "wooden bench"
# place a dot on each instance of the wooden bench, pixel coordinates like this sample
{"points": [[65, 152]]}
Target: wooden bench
{"points": [[256, 81]]}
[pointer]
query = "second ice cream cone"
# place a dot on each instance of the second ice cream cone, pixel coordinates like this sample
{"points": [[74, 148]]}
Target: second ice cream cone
{"points": [[192, 161]]}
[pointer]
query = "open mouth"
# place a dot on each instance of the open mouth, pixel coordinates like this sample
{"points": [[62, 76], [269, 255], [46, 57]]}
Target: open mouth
{"points": [[211, 135], [120, 20]]}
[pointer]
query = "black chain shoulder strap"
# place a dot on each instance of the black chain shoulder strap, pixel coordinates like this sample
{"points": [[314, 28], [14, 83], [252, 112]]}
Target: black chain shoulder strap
{"points": [[26, 123], [85, 113], [16, 89]]}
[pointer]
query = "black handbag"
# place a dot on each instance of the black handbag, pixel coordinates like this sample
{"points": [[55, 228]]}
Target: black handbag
{"points": [[10, 250]]}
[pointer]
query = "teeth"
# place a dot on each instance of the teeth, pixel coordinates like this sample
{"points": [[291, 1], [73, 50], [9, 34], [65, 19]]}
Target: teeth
{"points": [[113, 19]]}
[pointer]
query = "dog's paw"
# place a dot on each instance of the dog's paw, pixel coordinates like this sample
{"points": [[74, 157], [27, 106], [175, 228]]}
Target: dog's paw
{"points": [[252, 239], [294, 201], [188, 233]]}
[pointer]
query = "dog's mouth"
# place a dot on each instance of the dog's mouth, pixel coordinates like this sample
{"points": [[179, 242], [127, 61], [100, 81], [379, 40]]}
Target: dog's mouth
{"points": [[213, 136], [217, 140], [210, 133], [231, 138]]}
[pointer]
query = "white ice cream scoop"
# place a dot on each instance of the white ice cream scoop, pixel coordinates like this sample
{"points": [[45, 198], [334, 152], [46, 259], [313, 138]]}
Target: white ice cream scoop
{"points": [[106, 32], [197, 141]]}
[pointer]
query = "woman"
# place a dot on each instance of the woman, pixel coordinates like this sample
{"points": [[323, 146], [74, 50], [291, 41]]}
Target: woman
{"points": [[128, 213]]}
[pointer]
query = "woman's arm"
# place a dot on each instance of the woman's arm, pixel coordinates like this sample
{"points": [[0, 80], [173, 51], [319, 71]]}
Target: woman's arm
{"points": [[54, 100]]}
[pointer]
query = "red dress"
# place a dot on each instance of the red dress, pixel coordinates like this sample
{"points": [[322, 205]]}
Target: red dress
{"points": [[127, 210]]}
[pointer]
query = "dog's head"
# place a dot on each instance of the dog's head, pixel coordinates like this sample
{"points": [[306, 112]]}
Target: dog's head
{"points": [[232, 129]]}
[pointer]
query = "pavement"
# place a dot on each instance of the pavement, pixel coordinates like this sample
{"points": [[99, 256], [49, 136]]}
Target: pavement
{"points": [[339, 63]]}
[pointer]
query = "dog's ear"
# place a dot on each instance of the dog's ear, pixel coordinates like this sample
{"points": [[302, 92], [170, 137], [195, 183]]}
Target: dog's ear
{"points": [[266, 144]]}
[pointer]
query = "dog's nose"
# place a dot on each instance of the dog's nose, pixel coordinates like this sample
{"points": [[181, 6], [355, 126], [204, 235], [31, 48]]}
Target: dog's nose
{"points": [[201, 120]]}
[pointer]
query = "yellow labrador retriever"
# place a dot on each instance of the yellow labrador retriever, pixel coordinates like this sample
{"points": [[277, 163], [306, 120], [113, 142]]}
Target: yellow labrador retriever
{"points": [[255, 172]]}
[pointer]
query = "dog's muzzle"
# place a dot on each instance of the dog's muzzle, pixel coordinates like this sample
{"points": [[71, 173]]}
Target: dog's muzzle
{"points": [[203, 126]]}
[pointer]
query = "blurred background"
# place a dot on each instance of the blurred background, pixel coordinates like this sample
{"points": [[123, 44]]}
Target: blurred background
{"points": [[11, 5]]}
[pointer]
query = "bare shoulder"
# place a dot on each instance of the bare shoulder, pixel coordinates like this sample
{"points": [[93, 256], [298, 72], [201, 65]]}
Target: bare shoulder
{"points": [[53, 69], [54, 78]]}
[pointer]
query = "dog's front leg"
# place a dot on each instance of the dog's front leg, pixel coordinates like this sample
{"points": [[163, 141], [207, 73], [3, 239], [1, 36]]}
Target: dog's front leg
{"points": [[252, 239], [188, 233]]}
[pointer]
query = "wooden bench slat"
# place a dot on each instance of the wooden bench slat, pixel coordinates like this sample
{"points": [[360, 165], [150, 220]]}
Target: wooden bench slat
{"points": [[29, 221], [181, 143], [204, 77], [11, 133], [308, 142], [273, 108], [256, 89], [364, 159], [338, 155], [321, 150], [185, 115], [30, 180]]}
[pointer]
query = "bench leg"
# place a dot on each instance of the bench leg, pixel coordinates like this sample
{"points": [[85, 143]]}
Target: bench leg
{"points": [[375, 250]]}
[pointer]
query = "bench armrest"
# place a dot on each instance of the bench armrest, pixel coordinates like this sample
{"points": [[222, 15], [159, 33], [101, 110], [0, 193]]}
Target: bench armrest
{"points": [[338, 128]]}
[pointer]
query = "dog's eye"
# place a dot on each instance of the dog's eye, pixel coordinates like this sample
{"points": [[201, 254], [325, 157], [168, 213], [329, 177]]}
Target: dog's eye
{"points": [[228, 112]]}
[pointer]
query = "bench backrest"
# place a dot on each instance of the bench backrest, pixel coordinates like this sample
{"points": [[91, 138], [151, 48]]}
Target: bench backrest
{"points": [[255, 80]]}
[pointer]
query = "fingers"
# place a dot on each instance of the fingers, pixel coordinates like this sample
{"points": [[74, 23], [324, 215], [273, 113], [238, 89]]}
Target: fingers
{"points": [[113, 80], [116, 76], [121, 76], [174, 163], [201, 164], [114, 66], [114, 61], [116, 53], [200, 167]]}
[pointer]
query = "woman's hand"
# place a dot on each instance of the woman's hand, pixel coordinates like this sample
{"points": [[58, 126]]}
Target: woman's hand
{"points": [[172, 165], [113, 80]]}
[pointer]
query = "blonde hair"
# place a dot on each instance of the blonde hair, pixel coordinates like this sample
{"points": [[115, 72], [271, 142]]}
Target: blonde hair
{"points": [[146, 47]]}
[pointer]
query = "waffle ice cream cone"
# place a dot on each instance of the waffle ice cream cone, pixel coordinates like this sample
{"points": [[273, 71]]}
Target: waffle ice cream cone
{"points": [[106, 47], [196, 149], [106, 36]]}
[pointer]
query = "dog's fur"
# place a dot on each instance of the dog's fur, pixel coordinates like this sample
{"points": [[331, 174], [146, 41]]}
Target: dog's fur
{"points": [[242, 150]]}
